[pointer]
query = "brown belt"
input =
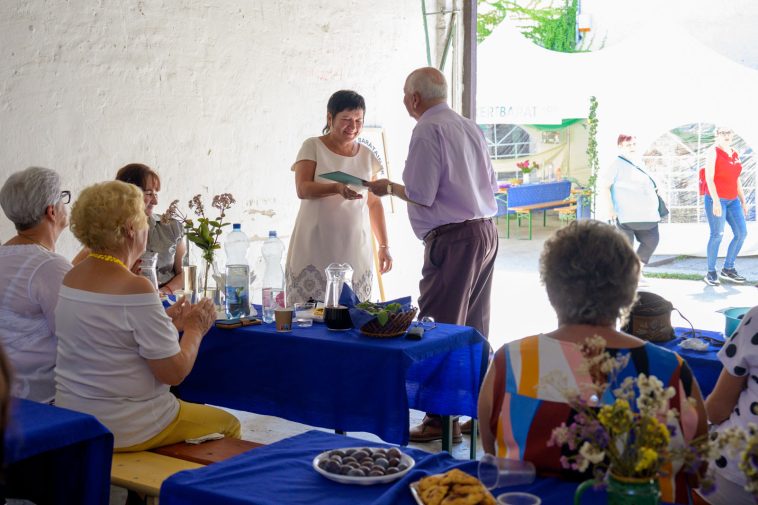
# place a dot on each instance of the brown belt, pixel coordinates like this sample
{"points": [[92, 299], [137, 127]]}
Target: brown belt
{"points": [[452, 226]]}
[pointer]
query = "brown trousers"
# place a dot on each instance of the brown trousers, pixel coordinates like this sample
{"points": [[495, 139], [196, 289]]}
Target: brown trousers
{"points": [[459, 262]]}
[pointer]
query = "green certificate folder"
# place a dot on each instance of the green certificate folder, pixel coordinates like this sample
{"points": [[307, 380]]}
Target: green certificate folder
{"points": [[343, 178]]}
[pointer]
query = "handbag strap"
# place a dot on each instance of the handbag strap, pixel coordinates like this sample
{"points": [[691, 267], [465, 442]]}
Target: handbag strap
{"points": [[655, 186]]}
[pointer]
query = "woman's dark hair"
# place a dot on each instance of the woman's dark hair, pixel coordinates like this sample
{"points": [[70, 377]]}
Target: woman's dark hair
{"points": [[138, 174], [590, 272], [343, 99]]}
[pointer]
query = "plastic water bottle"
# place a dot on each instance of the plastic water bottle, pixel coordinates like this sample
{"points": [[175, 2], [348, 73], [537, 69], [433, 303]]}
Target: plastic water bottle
{"points": [[237, 302], [273, 277]]}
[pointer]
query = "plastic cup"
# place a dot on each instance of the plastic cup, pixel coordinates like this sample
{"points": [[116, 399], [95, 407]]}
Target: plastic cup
{"points": [[304, 314], [497, 472], [283, 319], [518, 499]]}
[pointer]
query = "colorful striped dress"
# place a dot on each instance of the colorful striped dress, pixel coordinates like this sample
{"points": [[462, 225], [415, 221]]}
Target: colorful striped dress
{"points": [[526, 408]]}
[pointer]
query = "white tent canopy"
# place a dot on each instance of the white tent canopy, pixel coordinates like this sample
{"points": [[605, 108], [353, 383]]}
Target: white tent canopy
{"points": [[652, 82]]}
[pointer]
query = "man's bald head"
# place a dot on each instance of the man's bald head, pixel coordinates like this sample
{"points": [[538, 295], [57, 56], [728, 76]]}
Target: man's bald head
{"points": [[428, 82], [424, 88]]}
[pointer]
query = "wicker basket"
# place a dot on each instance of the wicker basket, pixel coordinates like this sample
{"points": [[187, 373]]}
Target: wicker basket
{"points": [[397, 325]]}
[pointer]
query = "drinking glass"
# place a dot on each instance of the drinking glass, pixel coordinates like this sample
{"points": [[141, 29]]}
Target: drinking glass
{"points": [[147, 267], [518, 499], [497, 472], [304, 314]]}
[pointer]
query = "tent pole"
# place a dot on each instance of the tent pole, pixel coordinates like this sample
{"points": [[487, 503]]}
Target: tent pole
{"points": [[426, 34]]}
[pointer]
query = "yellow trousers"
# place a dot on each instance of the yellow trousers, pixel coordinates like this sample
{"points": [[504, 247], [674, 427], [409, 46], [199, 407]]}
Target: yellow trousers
{"points": [[194, 420]]}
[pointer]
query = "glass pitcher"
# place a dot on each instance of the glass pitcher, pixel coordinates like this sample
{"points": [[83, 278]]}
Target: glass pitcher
{"points": [[337, 274]]}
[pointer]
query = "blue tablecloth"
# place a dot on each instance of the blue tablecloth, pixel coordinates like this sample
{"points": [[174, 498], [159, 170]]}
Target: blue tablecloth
{"points": [[56, 455], [282, 473], [705, 365], [339, 380]]}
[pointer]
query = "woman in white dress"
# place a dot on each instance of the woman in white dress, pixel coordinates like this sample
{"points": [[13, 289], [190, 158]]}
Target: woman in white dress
{"points": [[332, 224]]}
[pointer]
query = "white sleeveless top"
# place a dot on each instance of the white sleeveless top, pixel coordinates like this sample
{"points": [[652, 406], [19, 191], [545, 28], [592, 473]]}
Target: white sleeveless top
{"points": [[331, 229]]}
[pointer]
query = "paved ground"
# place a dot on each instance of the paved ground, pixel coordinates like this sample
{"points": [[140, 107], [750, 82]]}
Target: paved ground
{"points": [[746, 266]]}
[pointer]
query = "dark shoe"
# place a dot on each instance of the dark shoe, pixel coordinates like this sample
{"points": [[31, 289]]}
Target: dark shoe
{"points": [[730, 274], [466, 427], [712, 279], [430, 430]]}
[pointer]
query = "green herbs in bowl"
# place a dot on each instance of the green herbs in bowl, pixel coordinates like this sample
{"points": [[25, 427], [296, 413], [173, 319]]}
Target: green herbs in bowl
{"points": [[382, 312]]}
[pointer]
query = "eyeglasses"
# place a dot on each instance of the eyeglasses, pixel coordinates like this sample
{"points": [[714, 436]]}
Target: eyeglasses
{"points": [[65, 197], [150, 193]]}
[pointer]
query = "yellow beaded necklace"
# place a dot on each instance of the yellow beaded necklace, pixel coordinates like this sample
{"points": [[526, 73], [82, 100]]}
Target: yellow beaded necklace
{"points": [[107, 257]]}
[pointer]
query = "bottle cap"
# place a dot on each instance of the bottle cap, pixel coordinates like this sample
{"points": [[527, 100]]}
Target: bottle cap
{"points": [[271, 233], [236, 226]]}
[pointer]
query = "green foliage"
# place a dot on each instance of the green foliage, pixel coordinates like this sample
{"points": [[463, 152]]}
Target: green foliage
{"points": [[382, 312], [592, 158], [551, 27]]}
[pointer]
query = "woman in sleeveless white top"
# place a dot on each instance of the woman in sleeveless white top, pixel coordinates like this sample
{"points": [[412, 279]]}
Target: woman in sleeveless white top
{"points": [[332, 225]]}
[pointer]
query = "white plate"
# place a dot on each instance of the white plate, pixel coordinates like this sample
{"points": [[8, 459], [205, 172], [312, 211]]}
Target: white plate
{"points": [[414, 492], [362, 481]]}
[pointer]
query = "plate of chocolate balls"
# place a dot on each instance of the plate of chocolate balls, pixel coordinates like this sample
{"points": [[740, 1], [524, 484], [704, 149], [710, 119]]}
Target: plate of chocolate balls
{"points": [[364, 466]]}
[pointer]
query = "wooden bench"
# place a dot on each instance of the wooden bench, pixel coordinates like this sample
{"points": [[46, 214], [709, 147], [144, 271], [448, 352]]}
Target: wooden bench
{"points": [[144, 472], [208, 452], [567, 214]]}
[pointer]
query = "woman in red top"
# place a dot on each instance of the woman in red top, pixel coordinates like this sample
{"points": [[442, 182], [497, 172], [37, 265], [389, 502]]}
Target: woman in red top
{"points": [[724, 203]]}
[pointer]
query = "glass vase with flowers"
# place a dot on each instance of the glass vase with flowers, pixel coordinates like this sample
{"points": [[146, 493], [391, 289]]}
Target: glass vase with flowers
{"points": [[205, 233], [527, 167]]}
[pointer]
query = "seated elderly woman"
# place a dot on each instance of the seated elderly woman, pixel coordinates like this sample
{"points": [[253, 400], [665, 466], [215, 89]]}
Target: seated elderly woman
{"points": [[734, 403], [118, 350], [31, 273], [590, 272], [163, 239]]}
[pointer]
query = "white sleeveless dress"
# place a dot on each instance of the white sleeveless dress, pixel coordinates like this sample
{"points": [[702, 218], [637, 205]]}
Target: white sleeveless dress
{"points": [[331, 229]]}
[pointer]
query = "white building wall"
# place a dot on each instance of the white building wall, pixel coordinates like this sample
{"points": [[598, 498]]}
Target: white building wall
{"points": [[217, 96]]}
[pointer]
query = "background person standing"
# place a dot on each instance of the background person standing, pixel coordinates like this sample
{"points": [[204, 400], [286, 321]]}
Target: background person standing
{"points": [[724, 203], [450, 187], [633, 199]]}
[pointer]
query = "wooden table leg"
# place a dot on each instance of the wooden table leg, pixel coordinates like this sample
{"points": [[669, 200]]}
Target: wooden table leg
{"points": [[447, 434], [474, 433]]}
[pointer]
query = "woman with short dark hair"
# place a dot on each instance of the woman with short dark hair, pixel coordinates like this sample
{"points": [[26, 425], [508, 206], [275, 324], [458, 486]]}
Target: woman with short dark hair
{"points": [[31, 273], [332, 225], [590, 273]]}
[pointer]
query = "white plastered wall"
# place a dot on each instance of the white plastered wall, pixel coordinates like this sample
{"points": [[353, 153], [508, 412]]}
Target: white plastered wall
{"points": [[217, 96]]}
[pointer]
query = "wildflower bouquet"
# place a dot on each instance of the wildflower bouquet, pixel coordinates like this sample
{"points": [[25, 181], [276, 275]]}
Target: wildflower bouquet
{"points": [[628, 437], [527, 167], [206, 233]]}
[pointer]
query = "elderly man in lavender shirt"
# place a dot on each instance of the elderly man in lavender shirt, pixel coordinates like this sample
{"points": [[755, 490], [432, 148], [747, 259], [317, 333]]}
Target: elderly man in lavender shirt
{"points": [[450, 187]]}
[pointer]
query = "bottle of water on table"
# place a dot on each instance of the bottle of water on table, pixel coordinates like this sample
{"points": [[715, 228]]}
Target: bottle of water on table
{"points": [[273, 276], [237, 291]]}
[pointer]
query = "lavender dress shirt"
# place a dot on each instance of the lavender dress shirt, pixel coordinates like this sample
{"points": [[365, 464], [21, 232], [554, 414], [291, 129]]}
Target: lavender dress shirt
{"points": [[448, 171]]}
